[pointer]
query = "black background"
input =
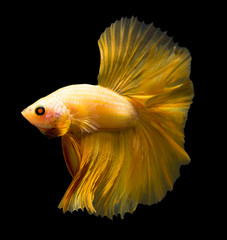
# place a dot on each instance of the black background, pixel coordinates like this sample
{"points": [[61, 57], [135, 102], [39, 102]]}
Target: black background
{"points": [[55, 45]]}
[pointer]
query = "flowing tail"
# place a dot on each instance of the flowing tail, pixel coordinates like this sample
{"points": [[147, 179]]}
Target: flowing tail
{"points": [[114, 171]]}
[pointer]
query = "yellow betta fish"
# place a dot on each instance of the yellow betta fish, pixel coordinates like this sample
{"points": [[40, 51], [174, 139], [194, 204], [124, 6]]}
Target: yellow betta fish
{"points": [[123, 139]]}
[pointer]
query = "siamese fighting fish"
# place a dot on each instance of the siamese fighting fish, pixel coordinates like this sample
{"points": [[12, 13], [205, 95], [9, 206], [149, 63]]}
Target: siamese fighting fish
{"points": [[122, 139]]}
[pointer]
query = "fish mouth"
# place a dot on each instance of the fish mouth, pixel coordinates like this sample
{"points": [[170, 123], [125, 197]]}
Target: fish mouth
{"points": [[23, 113], [26, 114]]}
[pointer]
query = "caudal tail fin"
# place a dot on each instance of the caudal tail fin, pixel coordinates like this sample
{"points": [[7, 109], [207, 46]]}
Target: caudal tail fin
{"points": [[143, 64], [117, 170]]}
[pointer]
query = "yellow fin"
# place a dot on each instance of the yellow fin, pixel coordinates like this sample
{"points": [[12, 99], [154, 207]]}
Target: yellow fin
{"points": [[71, 152], [84, 119], [139, 59], [120, 169], [99, 185]]}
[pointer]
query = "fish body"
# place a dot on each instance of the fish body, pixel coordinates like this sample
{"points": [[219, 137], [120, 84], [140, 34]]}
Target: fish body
{"points": [[82, 108], [105, 108], [123, 139]]}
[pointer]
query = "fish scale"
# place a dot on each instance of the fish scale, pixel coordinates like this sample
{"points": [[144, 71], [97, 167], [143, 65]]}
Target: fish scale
{"points": [[107, 108]]}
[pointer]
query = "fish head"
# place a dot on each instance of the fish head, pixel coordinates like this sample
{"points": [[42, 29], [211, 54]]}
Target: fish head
{"points": [[49, 115]]}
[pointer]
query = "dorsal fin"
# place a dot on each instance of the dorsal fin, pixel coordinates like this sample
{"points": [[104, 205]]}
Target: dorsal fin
{"points": [[134, 56]]}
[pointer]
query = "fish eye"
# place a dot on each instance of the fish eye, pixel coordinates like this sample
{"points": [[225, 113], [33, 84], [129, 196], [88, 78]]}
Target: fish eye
{"points": [[40, 110]]}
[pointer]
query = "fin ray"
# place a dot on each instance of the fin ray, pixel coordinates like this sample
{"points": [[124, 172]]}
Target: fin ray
{"points": [[71, 153], [136, 57]]}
